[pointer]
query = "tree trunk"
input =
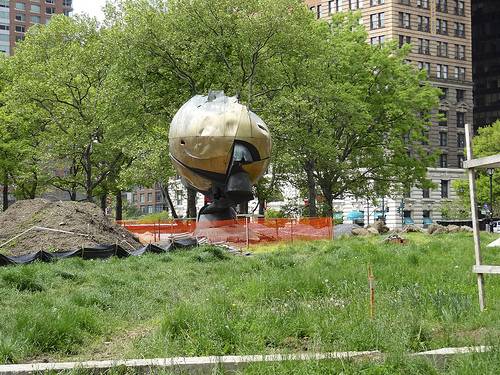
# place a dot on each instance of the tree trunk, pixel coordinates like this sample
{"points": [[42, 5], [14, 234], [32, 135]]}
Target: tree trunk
{"points": [[328, 194], [72, 194], [119, 206], [103, 202], [168, 199], [5, 191], [191, 203], [311, 188]]}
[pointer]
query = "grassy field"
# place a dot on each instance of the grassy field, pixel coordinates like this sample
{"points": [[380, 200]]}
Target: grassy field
{"points": [[299, 297]]}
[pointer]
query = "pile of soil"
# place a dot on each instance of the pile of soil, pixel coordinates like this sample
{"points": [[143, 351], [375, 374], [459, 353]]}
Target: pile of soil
{"points": [[86, 220]]}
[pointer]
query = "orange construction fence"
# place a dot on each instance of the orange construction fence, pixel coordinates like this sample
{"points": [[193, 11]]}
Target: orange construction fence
{"points": [[241, 231]]}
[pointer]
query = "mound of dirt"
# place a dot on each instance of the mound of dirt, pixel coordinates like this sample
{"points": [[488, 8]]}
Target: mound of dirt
{"points": [[86, 222]]}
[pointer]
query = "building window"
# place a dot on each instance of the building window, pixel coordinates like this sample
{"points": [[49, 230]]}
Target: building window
{"points": [[159, 208], [442, 6], [442, 71], [49, 1], [422, 65], [20, 17], [376, 40], [20, 6], [444, 93], [459, 8], [405, 20], [424, 46], [376, 21], [423, 4], [443, 161], [150, 209], [460, 95], [459, 73], [460, 140], [404, 39], [423, 23], [36, 19], [354, 4], [158, 196], [404, 2], [443, 139], [179, 195], [19, 38], [4, 27], [67, 3], [426, 193], [460, 29], [460, 120], [35, 8], [150, 197], [141, 198], [50, 10], [376, 2], [443, 117], [4, 3], [460, 160], [143, 209], [444, 188], [20, 29], [442, 49], [441, 26], [459, 52]]}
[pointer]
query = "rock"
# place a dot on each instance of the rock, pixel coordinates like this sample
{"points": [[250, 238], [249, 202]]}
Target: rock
{"points": [[360, 232], [440, 230], [453, 228], [344, 229], [411, 229], [372, 230], [396, 238], [433, 227], [465, 228], [380, 226]]}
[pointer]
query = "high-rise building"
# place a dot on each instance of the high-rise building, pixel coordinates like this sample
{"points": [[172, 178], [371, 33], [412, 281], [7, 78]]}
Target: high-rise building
{"points": [[16, 16], [439, 32], [486, 61]]}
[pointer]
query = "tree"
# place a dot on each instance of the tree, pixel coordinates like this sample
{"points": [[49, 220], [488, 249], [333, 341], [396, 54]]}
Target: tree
{"points": [[243, 47], [66, 76], [485, 143], [353, 120]]}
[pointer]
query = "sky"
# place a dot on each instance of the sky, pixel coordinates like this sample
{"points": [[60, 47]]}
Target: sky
{"points": [[91, 7]]}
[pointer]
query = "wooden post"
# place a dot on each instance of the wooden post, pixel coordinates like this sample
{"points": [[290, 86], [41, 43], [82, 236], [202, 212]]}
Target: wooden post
{"points": [[475, 223], [371, 284]]}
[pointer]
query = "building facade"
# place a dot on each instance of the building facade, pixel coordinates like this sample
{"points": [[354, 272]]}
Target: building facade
{"points": [[486, 58], [16, 16], [439, 32]]}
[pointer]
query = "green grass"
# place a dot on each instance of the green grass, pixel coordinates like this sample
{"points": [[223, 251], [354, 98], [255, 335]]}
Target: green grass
{"points": [[310, 296]]}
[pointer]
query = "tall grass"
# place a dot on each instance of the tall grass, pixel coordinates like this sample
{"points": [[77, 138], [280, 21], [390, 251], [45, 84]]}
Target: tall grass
{"points": [[310, 296]]}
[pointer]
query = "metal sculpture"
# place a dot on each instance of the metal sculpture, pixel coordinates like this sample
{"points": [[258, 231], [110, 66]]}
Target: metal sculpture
{"points": [[220, 148]]}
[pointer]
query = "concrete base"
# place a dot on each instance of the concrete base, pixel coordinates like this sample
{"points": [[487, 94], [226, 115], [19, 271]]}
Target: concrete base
{"points": [[229, 363]]}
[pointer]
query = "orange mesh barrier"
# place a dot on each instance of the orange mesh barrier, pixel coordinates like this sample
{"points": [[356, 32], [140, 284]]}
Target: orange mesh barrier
{"points": [[242, 231]]}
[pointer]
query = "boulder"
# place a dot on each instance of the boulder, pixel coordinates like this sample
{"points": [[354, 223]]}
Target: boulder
{"points": [[411, 228], [453, 229], [372, 230], [360, 232], [433, 227], [440, 230], [465, 228], [380, 226]]}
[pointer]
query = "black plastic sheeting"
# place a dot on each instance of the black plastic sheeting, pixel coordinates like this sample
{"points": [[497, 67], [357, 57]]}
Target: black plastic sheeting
{"points": [[99, 252]]}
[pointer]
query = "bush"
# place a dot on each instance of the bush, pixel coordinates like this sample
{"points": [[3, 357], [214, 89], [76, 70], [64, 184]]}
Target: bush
{"points": [[273, 214], [154, 218]]}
